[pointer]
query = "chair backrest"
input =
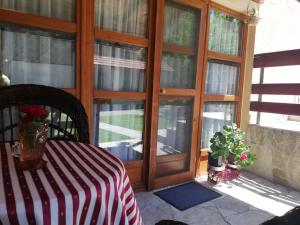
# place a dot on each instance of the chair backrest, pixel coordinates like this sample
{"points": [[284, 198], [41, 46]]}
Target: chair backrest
{"points": [[67, 117]]}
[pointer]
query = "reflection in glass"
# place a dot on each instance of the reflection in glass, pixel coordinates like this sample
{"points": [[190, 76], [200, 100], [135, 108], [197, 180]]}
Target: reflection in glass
{"points": [[180, 25], [119, 127], [119, 67], [37, 57], [225, 33], [58, 9], [177, 71], [221, 78], [174, 134], [215, 116], [129, 17]]}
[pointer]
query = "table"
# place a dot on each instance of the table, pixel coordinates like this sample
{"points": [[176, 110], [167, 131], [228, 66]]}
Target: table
{"points": [[81, 184]]}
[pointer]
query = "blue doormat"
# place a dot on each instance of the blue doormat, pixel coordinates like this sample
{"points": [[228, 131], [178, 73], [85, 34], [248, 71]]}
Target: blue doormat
{"points": [[187, 195]]}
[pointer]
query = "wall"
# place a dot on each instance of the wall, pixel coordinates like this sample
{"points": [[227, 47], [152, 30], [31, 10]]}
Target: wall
{"points": [[278, 154], [238, 6], [278, 151]]}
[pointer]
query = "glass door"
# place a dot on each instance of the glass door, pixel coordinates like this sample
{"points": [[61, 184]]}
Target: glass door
{"points": [[177, 77]]}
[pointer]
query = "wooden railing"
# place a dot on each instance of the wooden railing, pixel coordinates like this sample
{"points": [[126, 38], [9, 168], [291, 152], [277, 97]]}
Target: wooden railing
{"points": [[276, 59]]}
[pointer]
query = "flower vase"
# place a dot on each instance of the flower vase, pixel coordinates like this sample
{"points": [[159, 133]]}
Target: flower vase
{"points": [[33, 137]]}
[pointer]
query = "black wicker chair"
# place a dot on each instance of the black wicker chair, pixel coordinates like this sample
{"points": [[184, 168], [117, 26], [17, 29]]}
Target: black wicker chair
{"points": [[67, 119]]}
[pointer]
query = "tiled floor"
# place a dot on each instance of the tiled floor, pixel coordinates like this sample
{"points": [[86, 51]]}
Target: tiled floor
{"points": [[249, 200]]}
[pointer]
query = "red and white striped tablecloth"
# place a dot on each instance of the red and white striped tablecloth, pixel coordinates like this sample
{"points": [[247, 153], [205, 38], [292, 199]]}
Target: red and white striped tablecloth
{"points": [[81, 184]]}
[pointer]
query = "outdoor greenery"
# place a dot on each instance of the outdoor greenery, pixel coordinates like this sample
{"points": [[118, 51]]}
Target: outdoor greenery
{"points": [[108, 136], [130, 121], [232, 139]]}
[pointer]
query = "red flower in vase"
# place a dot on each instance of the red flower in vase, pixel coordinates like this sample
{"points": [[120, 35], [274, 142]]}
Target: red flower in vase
{"points": [[33, 112]]}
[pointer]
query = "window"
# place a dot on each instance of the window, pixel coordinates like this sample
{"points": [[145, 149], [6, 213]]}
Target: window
{"points": [[119, 126], [56, 9], [119, 67], [222, 89], [38, 57], [144, 71], [38, 43], [120, 76]]}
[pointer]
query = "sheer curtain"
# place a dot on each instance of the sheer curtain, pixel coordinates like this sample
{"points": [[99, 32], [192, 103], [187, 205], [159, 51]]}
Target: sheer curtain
{"points": [[180, 25], [180, 28], [119, 128], [177, 71], [224, 33], [58, 9], [215, 116], [221, 78], [119, 67], [123, 16], [37, 57]]}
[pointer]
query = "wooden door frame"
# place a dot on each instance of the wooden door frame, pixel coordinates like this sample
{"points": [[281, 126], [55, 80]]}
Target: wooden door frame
{"points": [[153, 181]]}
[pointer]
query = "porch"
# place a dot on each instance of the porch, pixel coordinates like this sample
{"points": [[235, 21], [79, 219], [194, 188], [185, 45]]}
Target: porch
{"points": [[156, 79], [248, 200]]}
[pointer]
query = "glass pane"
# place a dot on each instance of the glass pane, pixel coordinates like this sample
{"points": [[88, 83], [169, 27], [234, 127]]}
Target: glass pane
{"points": [[174, 131], [180, 25], [119, 126], [58, 9], [177, 71], [37, 57], [119, 67], [221, 78], [225, 33], [215, 116], [129, 17]]}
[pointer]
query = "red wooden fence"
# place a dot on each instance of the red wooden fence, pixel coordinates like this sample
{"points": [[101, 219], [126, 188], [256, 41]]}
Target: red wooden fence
{"points": [[276, 59]]}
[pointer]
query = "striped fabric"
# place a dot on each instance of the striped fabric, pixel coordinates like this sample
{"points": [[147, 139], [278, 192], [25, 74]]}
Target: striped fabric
{"points": [[81, 184]]}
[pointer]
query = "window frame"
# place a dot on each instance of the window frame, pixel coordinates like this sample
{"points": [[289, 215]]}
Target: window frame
{"points": [[202, 154], [8, 16]]}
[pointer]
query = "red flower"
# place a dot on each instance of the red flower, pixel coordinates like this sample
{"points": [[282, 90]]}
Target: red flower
{"points": [[25, 108], [33, 112], [244, 156]]}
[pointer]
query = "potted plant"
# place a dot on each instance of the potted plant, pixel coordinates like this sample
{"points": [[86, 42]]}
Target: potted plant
{"points": [[239, 155], [218, 151]]}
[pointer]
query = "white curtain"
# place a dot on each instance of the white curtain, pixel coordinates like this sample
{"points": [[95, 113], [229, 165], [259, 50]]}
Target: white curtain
{"points": [[119, 68], [37, 57], [180, 28], [221, 78], [180, 25], [58, 9], [123, 16], [215, 116], [224, 33], [177, 71]]}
